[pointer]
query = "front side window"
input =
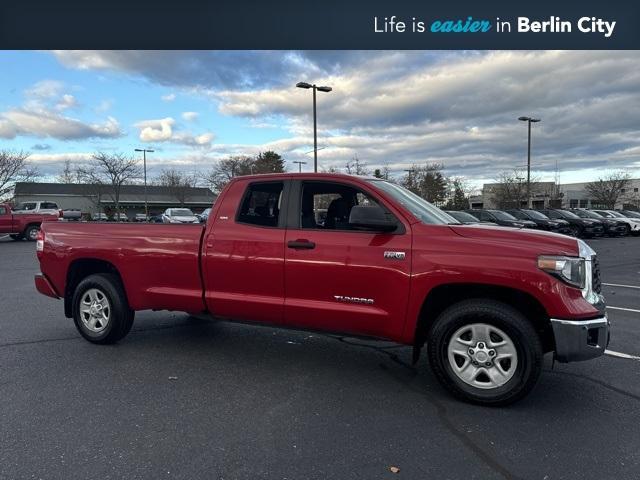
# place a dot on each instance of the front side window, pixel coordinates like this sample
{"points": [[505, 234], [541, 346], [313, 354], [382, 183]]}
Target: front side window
{"points": [[327, 206], [26, 206], [261, 204]]}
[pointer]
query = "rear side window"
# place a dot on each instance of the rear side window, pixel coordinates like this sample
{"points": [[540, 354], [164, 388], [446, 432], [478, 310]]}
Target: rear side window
{"points": [[261, 204]]}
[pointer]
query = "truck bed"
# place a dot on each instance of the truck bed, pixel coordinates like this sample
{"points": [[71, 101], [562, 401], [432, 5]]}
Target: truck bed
{"points": [[159, 263]]}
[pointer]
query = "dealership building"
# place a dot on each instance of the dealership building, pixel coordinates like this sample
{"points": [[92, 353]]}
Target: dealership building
{"points": [[567, 195], [90, 199]]}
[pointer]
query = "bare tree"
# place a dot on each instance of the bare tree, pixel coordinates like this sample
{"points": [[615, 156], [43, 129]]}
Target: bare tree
{"points": [[178, 183], [608, 189], [112, 170], [14, 167], [356, 167], [67, 175], [510, 189], [228, 168]]}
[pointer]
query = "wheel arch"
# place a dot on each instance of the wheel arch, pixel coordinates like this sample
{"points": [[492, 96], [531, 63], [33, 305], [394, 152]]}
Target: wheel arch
{"points": [[80, 269], [443, 296]]}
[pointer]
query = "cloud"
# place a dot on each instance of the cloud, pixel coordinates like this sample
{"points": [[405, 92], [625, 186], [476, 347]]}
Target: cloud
{"points": [[170, 97], [163, 130], [47, 124], [67, 101], [400, 108], [41, 146], [190, 116]]}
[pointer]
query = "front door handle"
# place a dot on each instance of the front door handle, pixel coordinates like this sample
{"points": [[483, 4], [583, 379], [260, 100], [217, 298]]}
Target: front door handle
{"points": [[301, 244]]}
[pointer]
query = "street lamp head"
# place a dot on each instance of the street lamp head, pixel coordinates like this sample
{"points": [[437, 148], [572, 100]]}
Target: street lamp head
{"points": [[303, 85], [324, 89]]}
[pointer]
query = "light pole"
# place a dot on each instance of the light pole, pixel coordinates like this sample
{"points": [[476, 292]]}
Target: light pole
{"points": [[315, 130], [300, 165], [529, 121], [144, 157]]}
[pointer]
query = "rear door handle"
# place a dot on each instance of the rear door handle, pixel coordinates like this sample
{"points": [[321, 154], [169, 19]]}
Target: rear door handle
{"points": [[301, 244]]}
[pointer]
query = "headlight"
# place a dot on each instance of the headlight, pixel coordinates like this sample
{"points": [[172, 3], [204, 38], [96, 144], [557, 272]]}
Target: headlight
{"points": [[570, 270]]}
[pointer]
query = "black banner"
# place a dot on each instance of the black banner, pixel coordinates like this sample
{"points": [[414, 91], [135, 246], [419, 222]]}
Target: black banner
{"points": [[328, 24]]}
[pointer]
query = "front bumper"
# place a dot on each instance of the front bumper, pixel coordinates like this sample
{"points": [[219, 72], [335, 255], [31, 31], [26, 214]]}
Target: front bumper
{"points": [[578, 340]]}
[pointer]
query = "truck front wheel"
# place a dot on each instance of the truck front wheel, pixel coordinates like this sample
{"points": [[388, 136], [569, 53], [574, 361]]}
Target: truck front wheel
{"points": [[100, 309], [31, 233], [485, 352]]}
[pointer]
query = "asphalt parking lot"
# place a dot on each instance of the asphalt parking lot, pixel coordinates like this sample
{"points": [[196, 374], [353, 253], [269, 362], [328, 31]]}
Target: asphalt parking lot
{"points": [[189, 399]]}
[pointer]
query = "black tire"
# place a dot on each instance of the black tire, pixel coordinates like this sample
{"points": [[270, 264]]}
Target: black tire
{"points": [[31, 232], [121, 315], [496, 314], [16, 237]]}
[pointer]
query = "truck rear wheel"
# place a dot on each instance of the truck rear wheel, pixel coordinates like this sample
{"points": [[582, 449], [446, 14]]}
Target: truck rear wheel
{"points": [[100, 309], [485, 352]]}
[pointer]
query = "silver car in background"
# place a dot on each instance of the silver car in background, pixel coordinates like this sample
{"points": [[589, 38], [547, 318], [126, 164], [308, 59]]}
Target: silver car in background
{"points": [[179, 215]]}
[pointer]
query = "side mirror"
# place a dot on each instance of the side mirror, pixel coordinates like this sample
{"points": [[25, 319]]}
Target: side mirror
{"points": [[371, 218]]}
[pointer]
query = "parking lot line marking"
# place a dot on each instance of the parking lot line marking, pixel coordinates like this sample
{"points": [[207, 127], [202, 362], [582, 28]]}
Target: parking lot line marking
{"points": [[624, 309], [621, 355], [620, 285]]}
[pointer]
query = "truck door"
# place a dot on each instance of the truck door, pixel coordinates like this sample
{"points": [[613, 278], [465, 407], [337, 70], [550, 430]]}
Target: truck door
{"points": [[243, 253], [5, 220], [338, 278]]}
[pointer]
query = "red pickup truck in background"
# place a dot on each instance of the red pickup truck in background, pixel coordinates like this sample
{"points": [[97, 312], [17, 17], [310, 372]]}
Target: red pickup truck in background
{"points": [[23, 225], [346, 254]]}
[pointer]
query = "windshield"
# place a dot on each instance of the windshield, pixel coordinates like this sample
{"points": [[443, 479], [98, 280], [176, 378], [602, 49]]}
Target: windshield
{"points": [[500, 215], [588, 214], [537, 215], [181, 212], [418, 206], [463, 216], [565, 214]]}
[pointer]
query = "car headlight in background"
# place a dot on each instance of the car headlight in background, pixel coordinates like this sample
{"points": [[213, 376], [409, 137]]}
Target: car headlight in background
{"points": [[570, 270]]}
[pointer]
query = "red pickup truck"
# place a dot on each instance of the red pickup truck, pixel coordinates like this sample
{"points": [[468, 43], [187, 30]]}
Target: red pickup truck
{"points": [[23, 225], [346, 254]]}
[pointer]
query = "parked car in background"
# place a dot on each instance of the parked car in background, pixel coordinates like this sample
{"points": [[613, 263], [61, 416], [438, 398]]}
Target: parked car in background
{"points": [[580, 227], [466, 218], [72, 214], [632, 223], [204, 216], [36, 207], [179, 215], [612, 226], [501, 218], [23, 225], [541, 220], [99, 217], [629, 213]]}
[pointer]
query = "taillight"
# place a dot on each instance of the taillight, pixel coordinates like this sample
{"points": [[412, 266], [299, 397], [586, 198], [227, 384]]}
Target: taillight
{"points": [[40, 242]]}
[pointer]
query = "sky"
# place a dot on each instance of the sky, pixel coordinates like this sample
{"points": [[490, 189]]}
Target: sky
{"points": [[389, 108]]}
